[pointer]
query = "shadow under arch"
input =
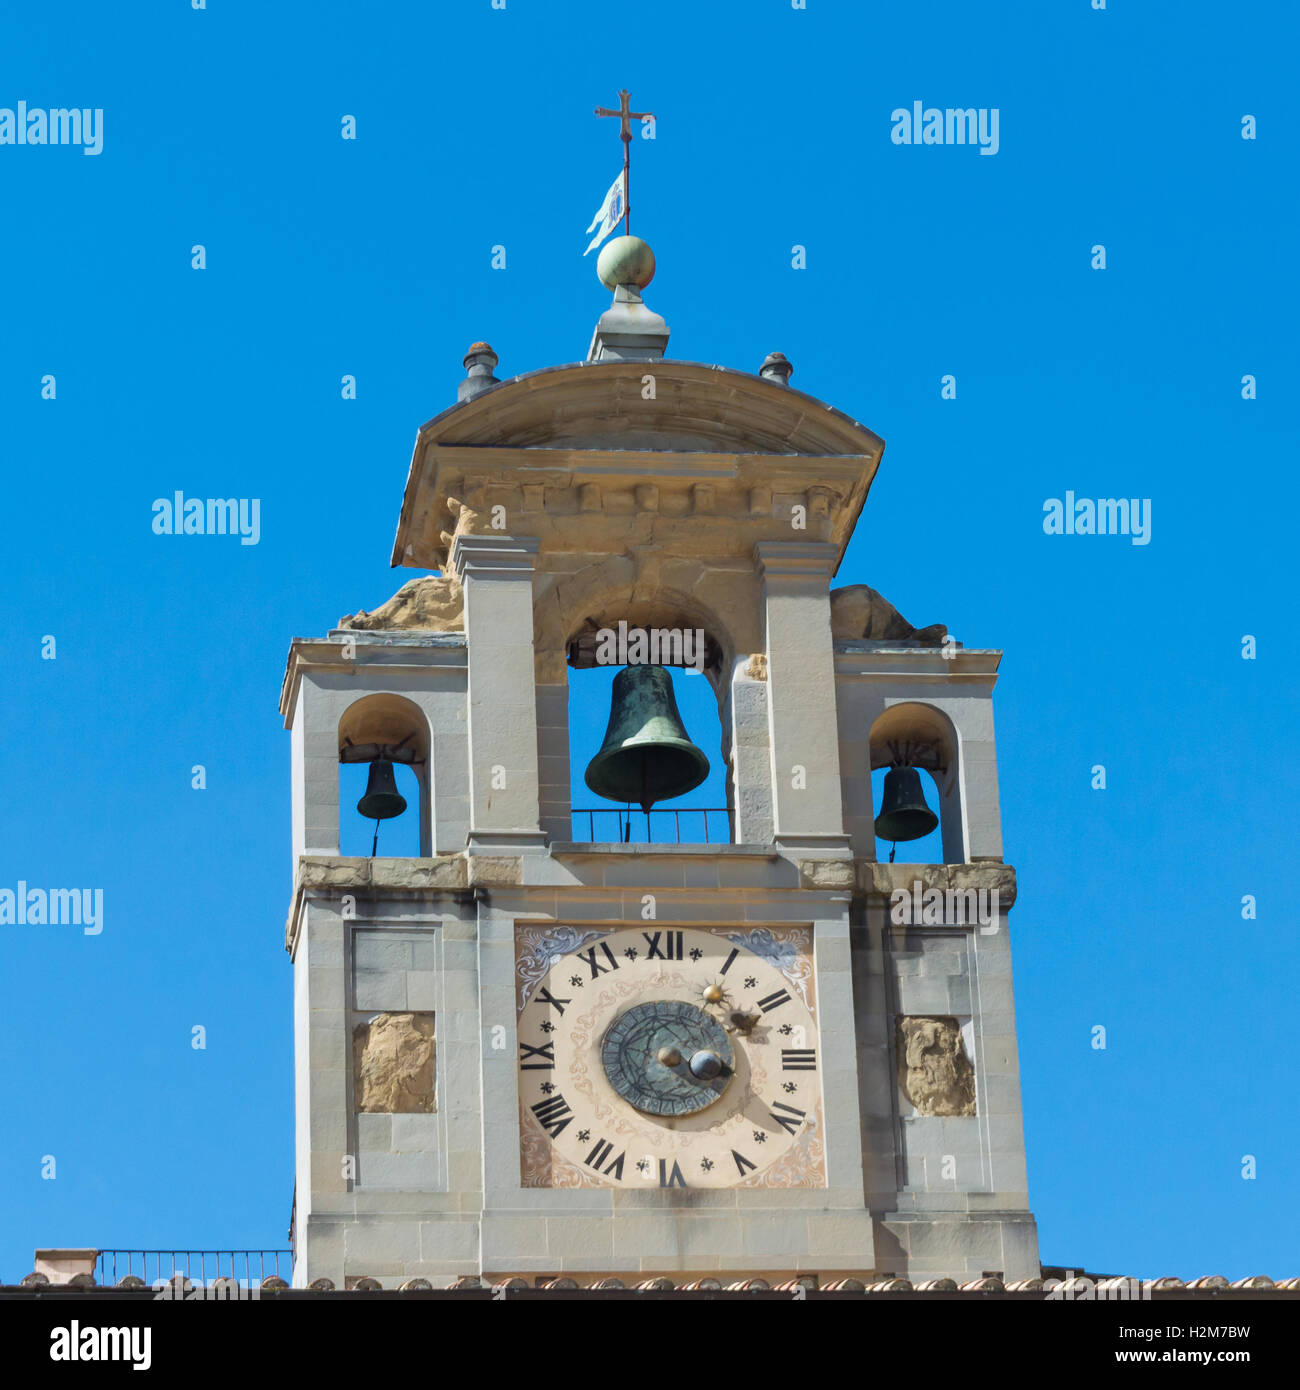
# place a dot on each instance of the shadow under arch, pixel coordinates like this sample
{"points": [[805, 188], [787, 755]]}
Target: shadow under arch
{"points": [[619, 587]]}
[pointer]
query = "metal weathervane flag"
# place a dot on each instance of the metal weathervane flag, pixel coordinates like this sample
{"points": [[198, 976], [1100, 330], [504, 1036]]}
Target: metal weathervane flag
{"points": [[608, 214]]}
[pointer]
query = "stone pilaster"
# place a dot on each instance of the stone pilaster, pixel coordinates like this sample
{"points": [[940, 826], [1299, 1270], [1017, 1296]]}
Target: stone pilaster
{"points": [[802, 721], [496, 573]]}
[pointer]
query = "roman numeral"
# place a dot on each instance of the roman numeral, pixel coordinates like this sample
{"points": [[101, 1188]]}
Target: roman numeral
{"points": [[798, 1059], [672, 947], [546, 1052], [791, 1119], [774, 1001], [546, 997], [670, 1178], [599, 1154], [553, 1114], [596, 967], [743, 1165], [727, 963]]}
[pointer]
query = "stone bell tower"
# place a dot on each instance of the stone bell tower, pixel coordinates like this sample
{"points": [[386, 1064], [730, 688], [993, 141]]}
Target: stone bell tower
{"points": [[525, 1053]]}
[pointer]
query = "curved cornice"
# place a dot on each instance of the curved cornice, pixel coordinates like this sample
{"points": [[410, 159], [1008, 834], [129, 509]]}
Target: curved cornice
{"points": [[699, 408], [593, 425]]}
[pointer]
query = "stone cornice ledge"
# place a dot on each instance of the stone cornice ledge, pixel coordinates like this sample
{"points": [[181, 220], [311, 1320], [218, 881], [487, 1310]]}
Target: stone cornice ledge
{"points": [[880, 880], [443, 873], [348, 649], [867, 658], [461, 873]]}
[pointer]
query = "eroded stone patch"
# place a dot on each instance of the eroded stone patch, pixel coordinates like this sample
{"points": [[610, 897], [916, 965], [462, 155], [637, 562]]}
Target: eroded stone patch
{"points": [[393, 1061], [934, 1071]]}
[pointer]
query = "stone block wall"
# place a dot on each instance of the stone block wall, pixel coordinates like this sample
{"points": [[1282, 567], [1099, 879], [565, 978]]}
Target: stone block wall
{"points": [[940, 1084]]}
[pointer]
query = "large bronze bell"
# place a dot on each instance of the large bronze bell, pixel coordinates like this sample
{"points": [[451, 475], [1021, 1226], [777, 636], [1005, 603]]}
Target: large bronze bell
{"points": [[382, 800], [903, 812], [646, 756]]}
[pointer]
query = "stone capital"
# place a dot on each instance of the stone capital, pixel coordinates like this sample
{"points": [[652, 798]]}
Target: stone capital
{"points": [[493, 557], [789, 563]]}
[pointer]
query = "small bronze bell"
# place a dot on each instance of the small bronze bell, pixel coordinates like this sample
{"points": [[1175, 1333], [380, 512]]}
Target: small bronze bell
{"points": [[646, 756], [903, 812], [382, 800]]}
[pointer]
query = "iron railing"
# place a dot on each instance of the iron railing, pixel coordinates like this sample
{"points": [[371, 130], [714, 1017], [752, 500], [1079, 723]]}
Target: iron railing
{"points": [[201, 1267], [685, 826]]}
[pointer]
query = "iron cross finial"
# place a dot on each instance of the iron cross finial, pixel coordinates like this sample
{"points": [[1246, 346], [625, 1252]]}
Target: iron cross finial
{"points": [[626, 116]]}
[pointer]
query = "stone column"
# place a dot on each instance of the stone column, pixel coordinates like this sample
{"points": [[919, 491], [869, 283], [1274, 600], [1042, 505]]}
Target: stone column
{"points": [[808, 810], [497, 575]]}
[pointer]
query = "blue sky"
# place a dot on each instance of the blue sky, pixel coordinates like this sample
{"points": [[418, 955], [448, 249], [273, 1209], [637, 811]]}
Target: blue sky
{"points": [[373, 258]]}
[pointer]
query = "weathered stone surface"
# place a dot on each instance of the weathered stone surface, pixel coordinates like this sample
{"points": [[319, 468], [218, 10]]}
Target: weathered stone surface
{"points": [[411, 875], [433, 603], [883, 879], [393, 1057], [495, 868], [444, 871], [827, 873], [858, 611], [933, 1069], [999, 878]]}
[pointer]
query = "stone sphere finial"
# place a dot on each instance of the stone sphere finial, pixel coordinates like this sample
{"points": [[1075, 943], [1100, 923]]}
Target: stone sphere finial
{"points": [[627, 260]]}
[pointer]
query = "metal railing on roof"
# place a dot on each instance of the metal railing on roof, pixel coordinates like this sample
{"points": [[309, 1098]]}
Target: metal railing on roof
{"points": [[201, 1267]]}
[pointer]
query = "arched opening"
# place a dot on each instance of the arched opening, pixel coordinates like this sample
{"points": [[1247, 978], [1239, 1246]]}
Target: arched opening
{"points": [[635, 736], [917, 739], [384, 754], [699, 816]]}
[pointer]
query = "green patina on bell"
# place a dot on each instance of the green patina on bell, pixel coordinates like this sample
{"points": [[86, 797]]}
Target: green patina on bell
{"points": [[646, 756]]}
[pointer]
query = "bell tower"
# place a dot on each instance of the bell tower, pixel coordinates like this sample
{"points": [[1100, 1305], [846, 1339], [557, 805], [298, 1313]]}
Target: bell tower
{"points": [[755, 1053]]}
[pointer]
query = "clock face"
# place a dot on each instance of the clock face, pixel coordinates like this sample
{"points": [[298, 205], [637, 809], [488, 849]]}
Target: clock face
{"points": [[670, 1057]]}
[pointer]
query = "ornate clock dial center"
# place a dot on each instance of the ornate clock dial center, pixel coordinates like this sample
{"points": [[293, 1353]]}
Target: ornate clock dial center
{"points": [[667, 1057]]}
